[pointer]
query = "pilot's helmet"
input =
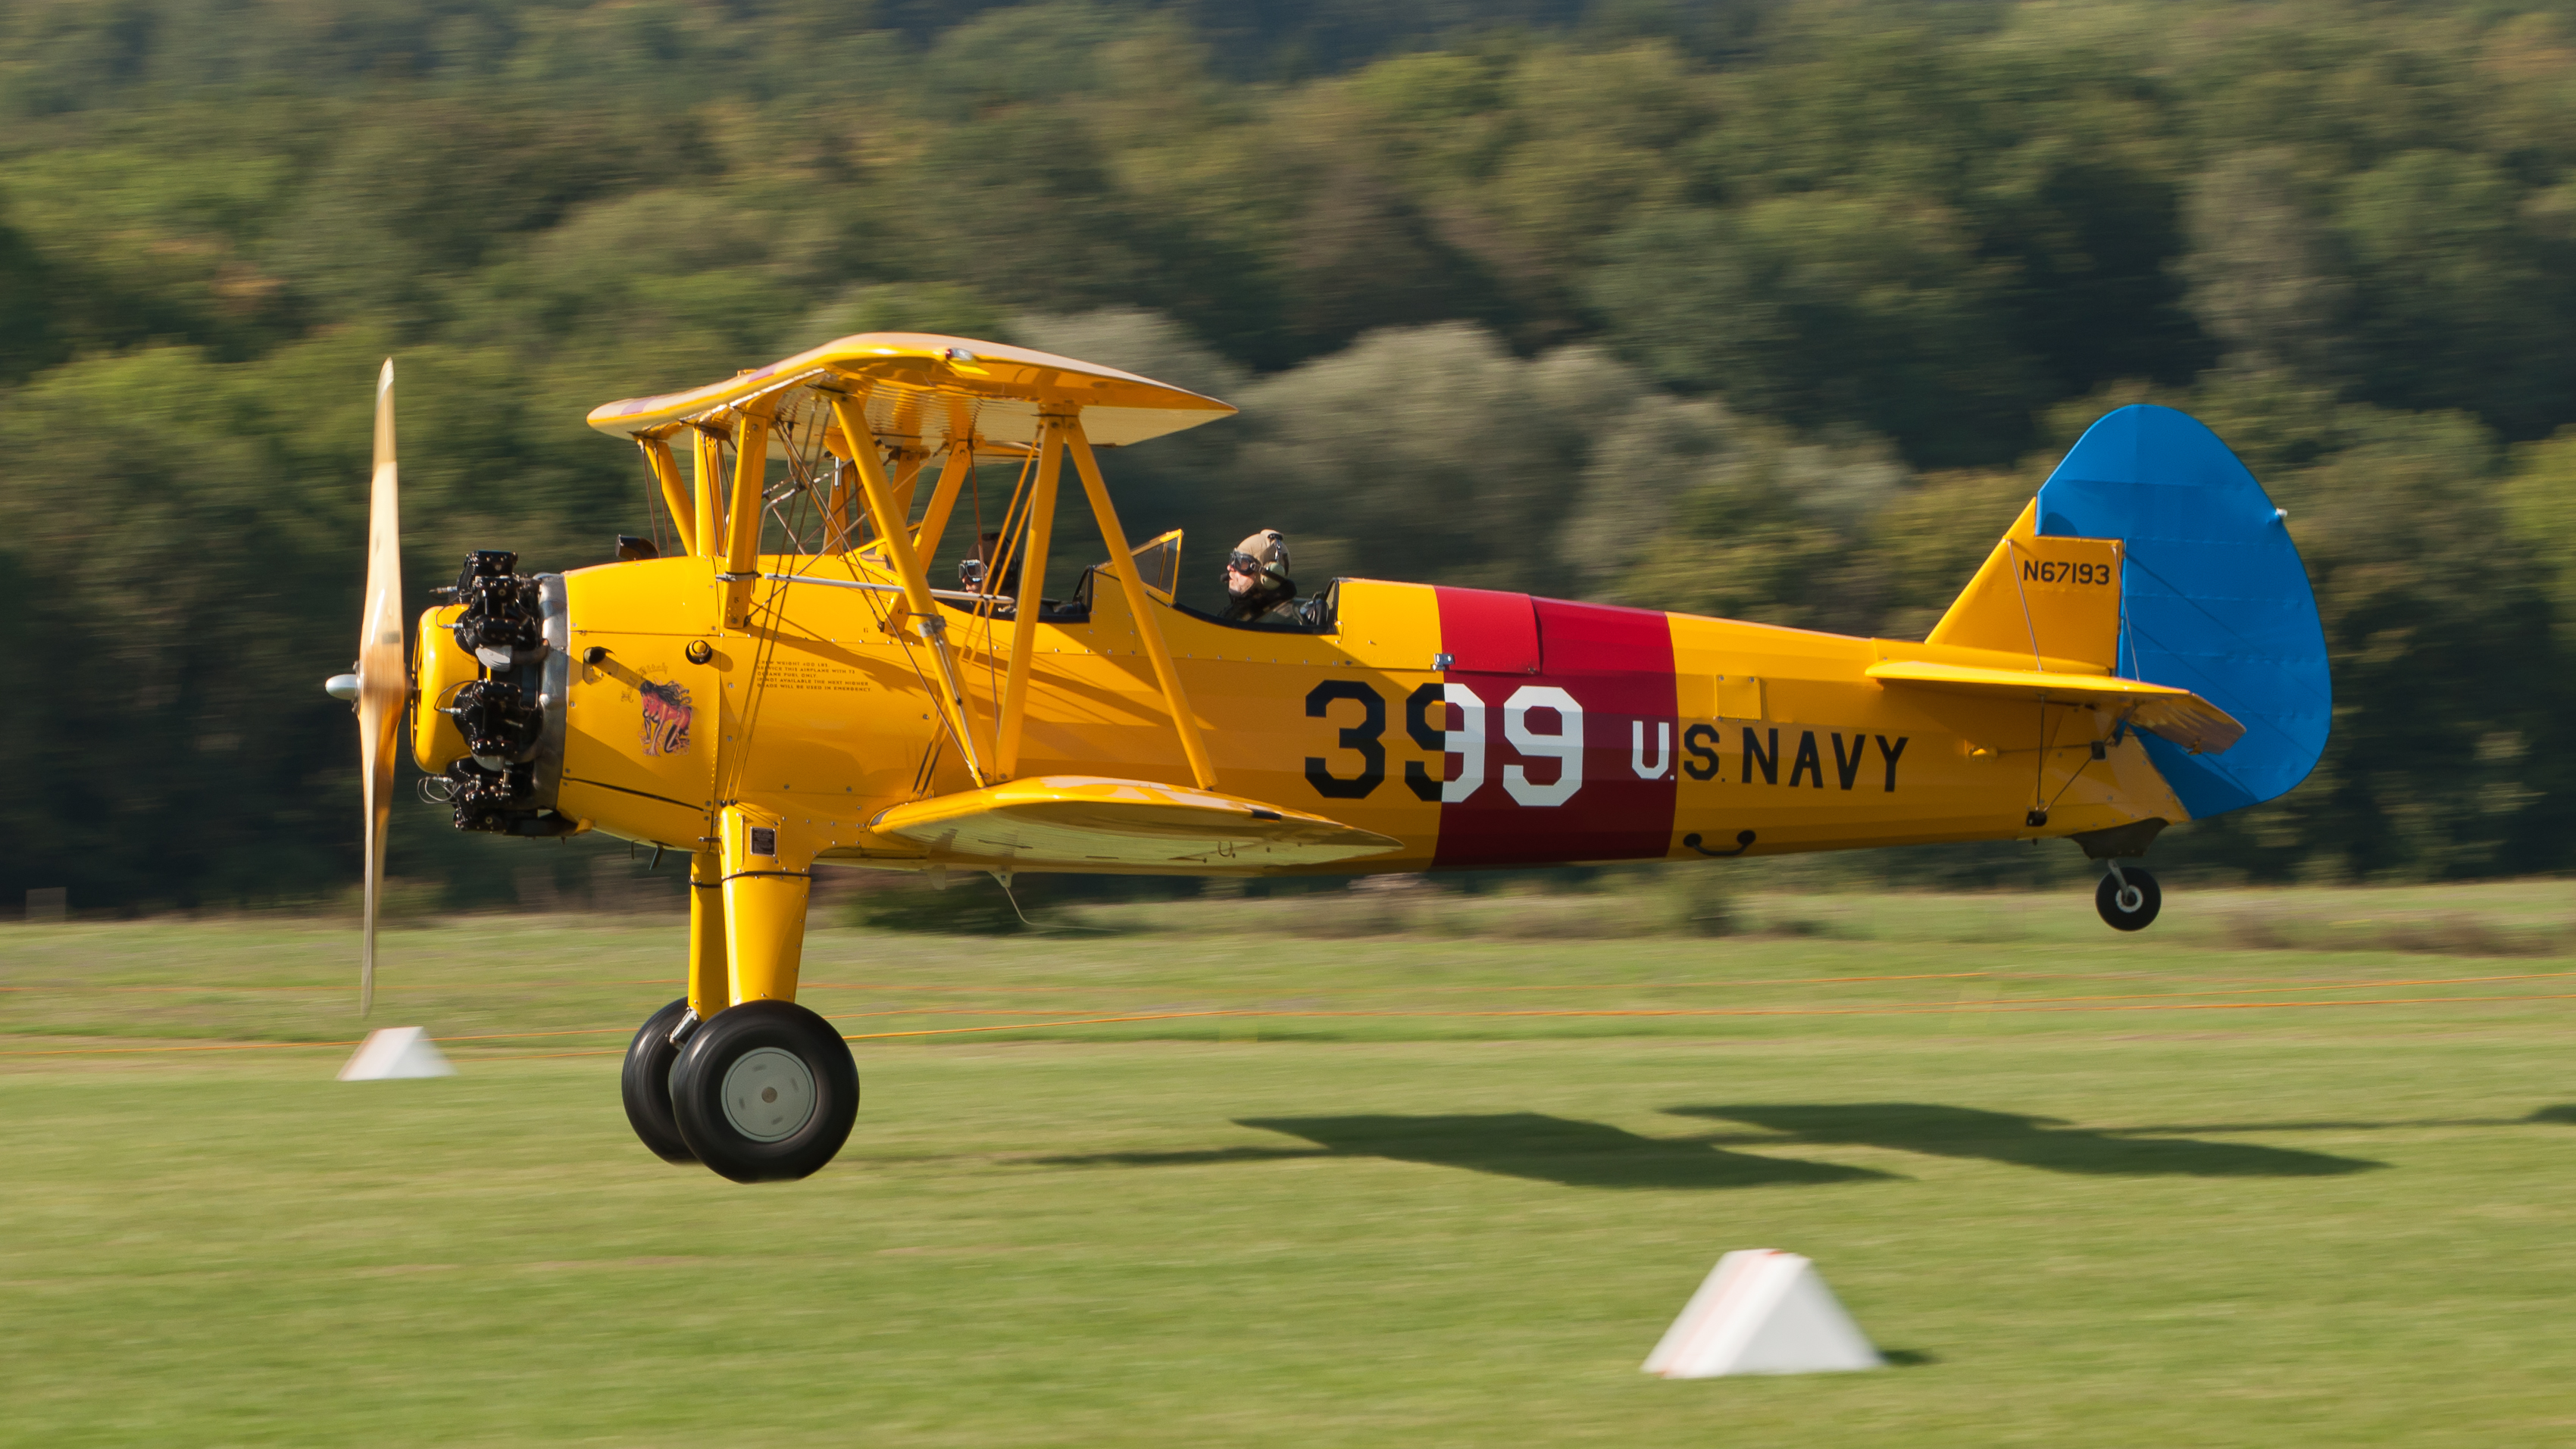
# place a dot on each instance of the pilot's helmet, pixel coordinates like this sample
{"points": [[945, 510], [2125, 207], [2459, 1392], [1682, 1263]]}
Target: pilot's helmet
{"points": [[1264, 553]]}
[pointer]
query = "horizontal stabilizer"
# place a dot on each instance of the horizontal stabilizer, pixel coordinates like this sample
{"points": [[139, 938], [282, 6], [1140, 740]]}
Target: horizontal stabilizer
{"points": [[1091, 821], [2175, 714]]}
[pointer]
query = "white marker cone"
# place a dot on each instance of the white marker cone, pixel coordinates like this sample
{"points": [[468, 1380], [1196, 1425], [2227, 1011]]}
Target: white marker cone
{"points": [[396, 1051], [1761, 1311]]}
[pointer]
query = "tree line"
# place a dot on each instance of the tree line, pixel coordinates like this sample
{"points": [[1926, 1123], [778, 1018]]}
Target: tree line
{"points": [[1773, 309]]}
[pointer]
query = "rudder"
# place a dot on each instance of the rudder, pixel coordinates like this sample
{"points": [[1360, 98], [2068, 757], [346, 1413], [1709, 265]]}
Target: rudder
{"points": [[2214, 597]]}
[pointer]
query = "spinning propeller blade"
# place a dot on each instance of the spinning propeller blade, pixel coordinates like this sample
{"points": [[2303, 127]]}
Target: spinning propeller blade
{"points": [[383, 684]]}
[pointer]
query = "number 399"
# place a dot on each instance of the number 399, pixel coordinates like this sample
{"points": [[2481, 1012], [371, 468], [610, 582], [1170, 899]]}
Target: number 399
{"points": [[1541, 722]]}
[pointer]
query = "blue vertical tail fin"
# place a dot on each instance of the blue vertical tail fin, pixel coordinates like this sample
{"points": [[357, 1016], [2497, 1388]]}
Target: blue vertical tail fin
{"points": [[2214, 597]]}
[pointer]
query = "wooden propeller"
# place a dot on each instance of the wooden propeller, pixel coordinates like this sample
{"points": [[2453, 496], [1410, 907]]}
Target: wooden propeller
{"points": [[383, 684]]}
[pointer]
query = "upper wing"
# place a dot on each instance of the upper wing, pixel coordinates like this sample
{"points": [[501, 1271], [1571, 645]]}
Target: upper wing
{"points": [[1087, 820], [929, 392], [2177, 714]]}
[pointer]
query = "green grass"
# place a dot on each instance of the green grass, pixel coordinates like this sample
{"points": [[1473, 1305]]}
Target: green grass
{"points": [[2087, 1209]]}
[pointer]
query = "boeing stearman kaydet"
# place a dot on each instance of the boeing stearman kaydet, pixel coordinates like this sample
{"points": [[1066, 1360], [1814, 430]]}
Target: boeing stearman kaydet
{"points": [[780, 690]]}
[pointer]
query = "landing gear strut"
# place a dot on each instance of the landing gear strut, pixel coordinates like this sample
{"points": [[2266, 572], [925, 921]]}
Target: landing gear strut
{"points": [[2128, 897], [735, 1074]]}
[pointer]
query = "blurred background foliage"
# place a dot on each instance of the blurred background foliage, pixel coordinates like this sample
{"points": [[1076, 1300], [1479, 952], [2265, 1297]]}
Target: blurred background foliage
{"points": [[1769, 308]]}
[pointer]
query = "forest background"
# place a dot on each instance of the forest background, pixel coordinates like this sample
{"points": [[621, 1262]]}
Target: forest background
{"points": [[1771, 310]]}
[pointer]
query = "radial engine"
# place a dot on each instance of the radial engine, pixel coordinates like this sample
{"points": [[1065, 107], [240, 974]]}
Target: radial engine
{"points": [[487, 722]]}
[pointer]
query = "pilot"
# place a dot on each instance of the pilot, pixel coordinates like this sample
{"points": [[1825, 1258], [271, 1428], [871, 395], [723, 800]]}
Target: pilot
{"points": [[1256, 580], [973, 571]]}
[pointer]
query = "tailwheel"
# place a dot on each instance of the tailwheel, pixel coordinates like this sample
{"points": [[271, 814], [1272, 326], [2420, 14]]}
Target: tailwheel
{"points": [[646, 1083], [765, 1092], [2128, 897]]}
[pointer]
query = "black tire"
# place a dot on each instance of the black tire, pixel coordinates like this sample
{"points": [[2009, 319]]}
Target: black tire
{"points": [[2149, 898], [646, 1084], [763, 1068]]}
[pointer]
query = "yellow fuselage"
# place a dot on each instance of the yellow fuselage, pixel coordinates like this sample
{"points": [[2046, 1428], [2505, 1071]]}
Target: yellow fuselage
{"points": [[1475, 728]]}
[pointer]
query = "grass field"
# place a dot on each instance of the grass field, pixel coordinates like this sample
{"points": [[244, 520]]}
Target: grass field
{"points": [[2293, 1168]]}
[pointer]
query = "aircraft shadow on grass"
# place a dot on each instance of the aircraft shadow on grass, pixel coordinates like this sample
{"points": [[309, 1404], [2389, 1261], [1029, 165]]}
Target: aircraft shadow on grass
{"points": [[2565, 1112], [1509, 1144], [2041, 1142], [1593, 1154]]}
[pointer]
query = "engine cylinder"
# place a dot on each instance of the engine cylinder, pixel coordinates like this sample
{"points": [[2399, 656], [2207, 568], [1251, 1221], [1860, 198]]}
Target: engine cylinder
{"points": [[501, 667], [502, 623]]}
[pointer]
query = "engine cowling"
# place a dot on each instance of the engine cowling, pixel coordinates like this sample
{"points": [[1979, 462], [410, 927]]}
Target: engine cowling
{"points": [[442, 669]]}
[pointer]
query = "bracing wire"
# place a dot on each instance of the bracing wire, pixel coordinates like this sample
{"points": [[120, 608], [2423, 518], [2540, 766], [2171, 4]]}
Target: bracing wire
{"points": [[2039, 758], [1001, 879], [799, 487], [851, 564], [773, 604], [999, 568]]}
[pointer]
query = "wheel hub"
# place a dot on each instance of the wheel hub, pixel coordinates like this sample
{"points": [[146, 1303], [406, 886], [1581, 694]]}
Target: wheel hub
{"points": [[768, 1094]]}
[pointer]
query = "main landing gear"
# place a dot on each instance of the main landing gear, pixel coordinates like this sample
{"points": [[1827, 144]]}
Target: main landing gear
{"points": [[735, 1074], [2128, 897], [764, 1092]]}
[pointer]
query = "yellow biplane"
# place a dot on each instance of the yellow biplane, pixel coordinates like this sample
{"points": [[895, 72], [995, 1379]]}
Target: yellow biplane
{"points": [[786, 690]]}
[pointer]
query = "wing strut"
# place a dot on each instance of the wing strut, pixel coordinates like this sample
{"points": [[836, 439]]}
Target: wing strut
{"points": [[741, 547], [907, 471], [1148, 623], [707, 484], [675, 490], [943, 498], [903, 549], [1031, 568], [916, 585]]}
